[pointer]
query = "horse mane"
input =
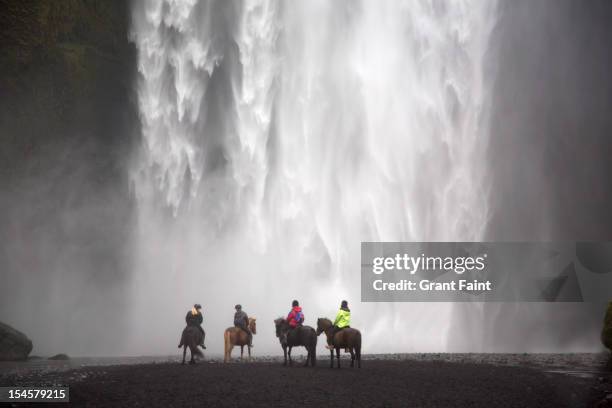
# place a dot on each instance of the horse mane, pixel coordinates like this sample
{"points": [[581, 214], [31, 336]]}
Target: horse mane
{"points": [[252, 324], [325, 319]]}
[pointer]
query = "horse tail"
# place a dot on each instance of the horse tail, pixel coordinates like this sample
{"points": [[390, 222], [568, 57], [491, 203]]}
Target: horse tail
{"points": [[358, 345], [182, 342], [191, 338], [313, 347], [313, 356], [226, 342]]}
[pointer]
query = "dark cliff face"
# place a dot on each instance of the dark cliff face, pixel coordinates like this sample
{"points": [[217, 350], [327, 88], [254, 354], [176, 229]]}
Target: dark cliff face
{"points": [[551, 126], [550, 156], [68, 123]]}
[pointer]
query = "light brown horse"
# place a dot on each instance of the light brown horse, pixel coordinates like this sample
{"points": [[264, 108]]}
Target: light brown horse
{"points": [[348, 338], [235, 336]]}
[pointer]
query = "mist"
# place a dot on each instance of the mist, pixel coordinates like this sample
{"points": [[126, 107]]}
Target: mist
{"points": [[239, 152]]}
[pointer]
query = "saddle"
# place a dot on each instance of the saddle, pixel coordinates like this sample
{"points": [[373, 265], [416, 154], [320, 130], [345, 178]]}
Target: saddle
{"points": [[336, 331]]}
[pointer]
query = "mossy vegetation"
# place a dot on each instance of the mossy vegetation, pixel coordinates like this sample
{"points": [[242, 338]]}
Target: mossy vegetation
{"points": [[67, 69], [606, 333]]}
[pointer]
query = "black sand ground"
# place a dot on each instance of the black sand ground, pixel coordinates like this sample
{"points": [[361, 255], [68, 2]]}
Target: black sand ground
{"points": [[379, 383]]}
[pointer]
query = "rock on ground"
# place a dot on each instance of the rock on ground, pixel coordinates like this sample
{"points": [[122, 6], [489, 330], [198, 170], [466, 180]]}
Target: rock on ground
{"points": [[60, 356], [14, 345]]}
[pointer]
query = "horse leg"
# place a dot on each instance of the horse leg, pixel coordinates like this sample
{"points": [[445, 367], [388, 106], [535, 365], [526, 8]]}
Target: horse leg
{"points": [[191, 349], [352, 357], [229, 352], [249, 350], [285, 352], [289, 354], [184, 353], [338, 355], [358, 352], [307, 357], [313, 356], [241, 352], [331, 353]]}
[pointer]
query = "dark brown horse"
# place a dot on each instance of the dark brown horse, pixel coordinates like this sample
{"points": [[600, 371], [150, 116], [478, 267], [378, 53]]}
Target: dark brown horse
{"points": [[191, 337], [235, 336], [300, 336], [348, 338]]}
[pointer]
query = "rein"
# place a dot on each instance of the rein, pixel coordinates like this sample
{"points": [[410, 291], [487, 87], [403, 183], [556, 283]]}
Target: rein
{"points": [[328, 330]]}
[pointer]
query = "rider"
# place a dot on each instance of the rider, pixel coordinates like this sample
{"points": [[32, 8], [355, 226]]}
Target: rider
{"points": [[342, 321], [194, 318], [241, 320], [295, 318]]}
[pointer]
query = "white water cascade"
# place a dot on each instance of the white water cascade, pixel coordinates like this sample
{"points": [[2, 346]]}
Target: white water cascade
{"points": [[278, 135]]}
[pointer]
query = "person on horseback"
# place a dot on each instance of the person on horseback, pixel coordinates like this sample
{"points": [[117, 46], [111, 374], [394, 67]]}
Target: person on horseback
{"points": [[194, 318], [241, 320], [295, 318], [342, 321]]}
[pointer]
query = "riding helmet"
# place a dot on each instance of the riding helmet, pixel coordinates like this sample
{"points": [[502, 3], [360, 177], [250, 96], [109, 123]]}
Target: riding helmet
{"points": [[238, 307], [197, 306], [295, 303], [344, 304]]}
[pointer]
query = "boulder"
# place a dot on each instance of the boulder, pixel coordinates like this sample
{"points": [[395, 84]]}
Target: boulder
{"points": [[14, 345], [606, 333], [60, 356]]}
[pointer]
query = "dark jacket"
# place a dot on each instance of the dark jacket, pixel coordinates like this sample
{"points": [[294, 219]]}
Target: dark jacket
{"points": [[193, 319], [241, 319]]}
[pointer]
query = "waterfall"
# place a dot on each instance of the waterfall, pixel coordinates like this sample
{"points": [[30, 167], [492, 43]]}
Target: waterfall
{"points": [[276, 136]]}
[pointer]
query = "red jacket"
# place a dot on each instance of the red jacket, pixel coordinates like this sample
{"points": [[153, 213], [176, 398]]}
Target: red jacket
{"points": [[292, 316]]}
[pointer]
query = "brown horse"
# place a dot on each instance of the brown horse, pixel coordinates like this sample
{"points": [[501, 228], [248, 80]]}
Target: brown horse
{"points": [[235, 336], [300, 336], [191, 337], [348, 338]]}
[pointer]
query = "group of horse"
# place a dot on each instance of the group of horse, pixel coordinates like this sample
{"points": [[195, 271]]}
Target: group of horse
{"points": [[348, 339]]}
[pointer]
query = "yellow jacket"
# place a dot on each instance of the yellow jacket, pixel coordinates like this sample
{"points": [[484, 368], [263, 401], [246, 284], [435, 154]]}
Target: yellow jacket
{"points": [[343, 318]]}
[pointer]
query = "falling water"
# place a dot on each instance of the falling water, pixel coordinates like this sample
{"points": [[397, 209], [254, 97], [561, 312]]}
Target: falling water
{"points": [[276, 136]]}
